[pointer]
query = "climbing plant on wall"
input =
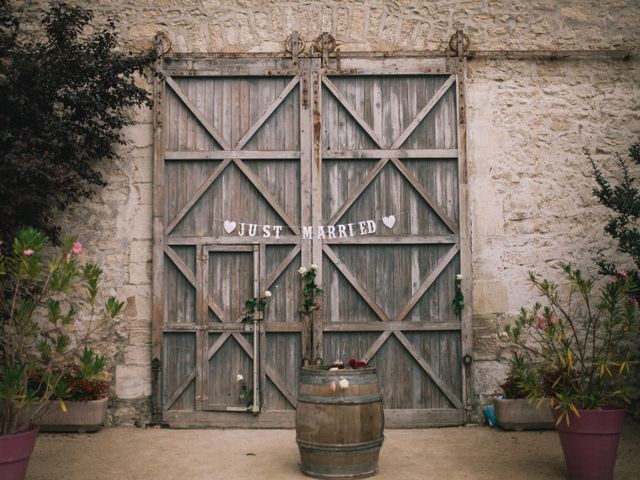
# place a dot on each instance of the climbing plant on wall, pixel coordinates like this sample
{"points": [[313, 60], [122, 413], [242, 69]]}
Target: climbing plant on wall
{"points": [[65, 93]]}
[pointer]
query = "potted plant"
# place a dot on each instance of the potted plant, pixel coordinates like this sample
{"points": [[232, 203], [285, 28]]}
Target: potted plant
{"points": [[577, 353], [85, 394], [513, 410], [37, 317]]}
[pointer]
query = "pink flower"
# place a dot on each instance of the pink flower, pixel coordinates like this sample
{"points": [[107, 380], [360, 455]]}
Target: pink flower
{"points": [[623, 273], [333, 386], [553, 320], [541, 322], [634, 302], [77, 248], [28, 252], [68, 257], [613, 279]]}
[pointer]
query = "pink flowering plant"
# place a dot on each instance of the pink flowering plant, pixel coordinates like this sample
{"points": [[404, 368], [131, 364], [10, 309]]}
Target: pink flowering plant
{"points": [[576, 350], [39, 340]]}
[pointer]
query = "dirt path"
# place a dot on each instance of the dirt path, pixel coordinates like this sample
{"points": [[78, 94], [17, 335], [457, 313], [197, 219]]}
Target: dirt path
{"points": [[471, 452]]}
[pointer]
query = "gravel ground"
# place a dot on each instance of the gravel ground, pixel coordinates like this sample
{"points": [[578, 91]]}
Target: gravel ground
{"points": [[470, 452]]}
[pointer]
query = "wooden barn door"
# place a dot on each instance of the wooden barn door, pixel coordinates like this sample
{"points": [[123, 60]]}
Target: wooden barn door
{"points": [[308, 142], [234, 148], [388, 151]]}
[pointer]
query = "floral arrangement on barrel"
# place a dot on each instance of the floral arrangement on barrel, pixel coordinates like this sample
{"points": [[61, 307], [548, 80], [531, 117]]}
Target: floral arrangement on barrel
{"points": [[338, 365], [577, 355], [41, 359]]}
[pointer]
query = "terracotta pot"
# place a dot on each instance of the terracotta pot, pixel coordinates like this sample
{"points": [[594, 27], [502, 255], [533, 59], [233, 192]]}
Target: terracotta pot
{"points": [[520, 414], [80, 416], [590, 442], [15, 451]]}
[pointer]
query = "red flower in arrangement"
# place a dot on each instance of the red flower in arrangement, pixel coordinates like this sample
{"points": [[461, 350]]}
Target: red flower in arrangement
{"points": [[353, 363]]}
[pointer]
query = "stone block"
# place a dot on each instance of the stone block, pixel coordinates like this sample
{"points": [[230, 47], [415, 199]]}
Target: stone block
{"points": [[490, 296], [139, 135], [485, 347], [488, 376], [141, 251], [143, 298], [133, 381], [141, 223], [140, 273], [137, 354]]}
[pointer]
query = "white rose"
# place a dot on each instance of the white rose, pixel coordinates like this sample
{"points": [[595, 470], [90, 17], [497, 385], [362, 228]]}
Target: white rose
{"points": [[302, 270], [267, 294], [239, 378], [313, 266], [343, 383], [459, 276]]}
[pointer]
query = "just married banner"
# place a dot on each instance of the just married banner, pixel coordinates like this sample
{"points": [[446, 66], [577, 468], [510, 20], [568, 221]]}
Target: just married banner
{"points": [[342, 230]]}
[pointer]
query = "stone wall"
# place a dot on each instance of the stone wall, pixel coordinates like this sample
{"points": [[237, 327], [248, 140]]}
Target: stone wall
{"points": [[528, 120]]}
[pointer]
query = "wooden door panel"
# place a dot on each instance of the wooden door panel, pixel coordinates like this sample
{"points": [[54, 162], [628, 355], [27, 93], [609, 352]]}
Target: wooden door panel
{"points": [[180, 300], [229, 360], [389, 147], [179, 352]]}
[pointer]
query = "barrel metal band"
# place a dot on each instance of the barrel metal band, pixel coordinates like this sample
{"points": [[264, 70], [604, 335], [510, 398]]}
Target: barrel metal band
{"points": [[341, 448], [325, 379], [354, 471], [356, 400]]}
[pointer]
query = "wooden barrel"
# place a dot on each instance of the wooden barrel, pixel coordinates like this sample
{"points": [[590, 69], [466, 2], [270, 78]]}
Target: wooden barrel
{"points": [[339, 431]]}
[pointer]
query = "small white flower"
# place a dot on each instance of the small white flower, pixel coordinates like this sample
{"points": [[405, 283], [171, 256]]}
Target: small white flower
{"points": [[302, 270], [239, 378], [313, 266], [343, 383], [334, 369], [267, 294], [459, 277]]}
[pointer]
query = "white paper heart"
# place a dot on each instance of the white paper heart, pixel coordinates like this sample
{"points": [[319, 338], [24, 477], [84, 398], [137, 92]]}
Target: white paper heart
{"points": [[229, 226], [389, 221]]}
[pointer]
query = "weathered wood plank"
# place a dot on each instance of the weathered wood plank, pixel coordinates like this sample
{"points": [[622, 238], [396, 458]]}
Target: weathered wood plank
{"points": [[233, 239], [427, 368], [196, 113], [373, 173], [426, 196], [196, 196], [349, 108], [394, 240], [424, 286], [355, 283], [267, 113], [270, 419], [180, 390], [373, 349], [175, 155], [392, 326], [262, 189], [386, 153], [273, 276], [423, 113], [270, 371]]}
